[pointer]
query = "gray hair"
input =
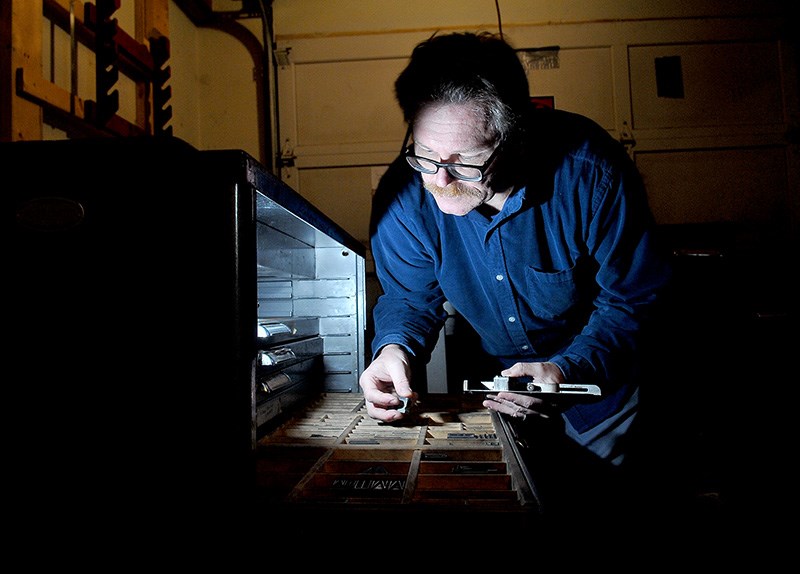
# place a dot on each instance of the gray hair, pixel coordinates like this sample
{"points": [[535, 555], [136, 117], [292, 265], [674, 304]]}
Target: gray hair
{"points": [[481, 70]]}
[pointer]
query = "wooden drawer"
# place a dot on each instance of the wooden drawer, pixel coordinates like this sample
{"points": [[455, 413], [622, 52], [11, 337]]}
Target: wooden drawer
{"points": [[452, 454]]}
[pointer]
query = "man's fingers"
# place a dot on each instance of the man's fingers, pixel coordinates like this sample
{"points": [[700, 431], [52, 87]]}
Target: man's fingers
{"points": [[517, 406]]}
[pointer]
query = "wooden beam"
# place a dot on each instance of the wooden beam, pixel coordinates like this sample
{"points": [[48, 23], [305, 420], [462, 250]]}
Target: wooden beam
{"points": [[152, 23], [40, 91], [56, 101], [152, 20], [22, 23]]}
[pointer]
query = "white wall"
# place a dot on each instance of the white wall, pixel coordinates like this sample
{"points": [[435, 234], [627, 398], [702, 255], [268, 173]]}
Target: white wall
{"points": [[214, 92], [308, 18], [340, 125]]}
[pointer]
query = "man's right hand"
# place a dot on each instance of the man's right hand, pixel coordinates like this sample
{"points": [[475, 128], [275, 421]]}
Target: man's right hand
{"points": [[384, 380]]}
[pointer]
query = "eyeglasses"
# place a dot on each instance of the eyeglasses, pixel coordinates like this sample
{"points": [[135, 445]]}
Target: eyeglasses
{"points": [[460, 171]]}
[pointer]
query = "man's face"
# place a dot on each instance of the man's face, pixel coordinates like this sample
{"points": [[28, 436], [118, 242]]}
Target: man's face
{"points": [[454, 133]]}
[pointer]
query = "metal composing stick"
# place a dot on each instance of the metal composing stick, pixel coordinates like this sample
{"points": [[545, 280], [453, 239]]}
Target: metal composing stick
{"points": [[531, 388]]}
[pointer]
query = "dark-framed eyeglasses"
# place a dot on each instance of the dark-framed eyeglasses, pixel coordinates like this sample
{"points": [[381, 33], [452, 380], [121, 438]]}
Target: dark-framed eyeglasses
{"points": [[462, 171]]}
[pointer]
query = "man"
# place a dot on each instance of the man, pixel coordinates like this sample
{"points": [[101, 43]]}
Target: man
{"points": [[533, 224]]}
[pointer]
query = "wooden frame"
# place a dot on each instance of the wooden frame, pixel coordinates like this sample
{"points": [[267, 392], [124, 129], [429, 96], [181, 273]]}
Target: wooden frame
{"points": [[29, 100]]}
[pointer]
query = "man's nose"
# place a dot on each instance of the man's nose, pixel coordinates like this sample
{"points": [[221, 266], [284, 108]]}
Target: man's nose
{"points": [[442, 178]]}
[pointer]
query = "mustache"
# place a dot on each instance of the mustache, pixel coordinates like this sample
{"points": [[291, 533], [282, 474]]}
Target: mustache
{"points": [[454, 189]]}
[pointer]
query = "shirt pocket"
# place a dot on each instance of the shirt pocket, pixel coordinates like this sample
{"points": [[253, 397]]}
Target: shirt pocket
{"points": [[552, 294]]}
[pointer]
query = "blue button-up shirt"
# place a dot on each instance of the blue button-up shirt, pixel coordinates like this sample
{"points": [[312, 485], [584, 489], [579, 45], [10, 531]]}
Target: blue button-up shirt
{"points": [[567, 272]]}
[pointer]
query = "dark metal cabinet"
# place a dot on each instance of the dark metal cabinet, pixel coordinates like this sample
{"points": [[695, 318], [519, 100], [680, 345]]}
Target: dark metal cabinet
{"points": [[149, 281]]}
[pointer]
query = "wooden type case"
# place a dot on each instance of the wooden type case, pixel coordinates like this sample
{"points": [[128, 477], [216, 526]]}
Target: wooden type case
{"points": [[449, 456]]}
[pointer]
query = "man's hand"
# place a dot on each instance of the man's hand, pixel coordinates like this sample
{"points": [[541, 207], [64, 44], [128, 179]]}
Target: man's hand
{"points": [[386, 378], [522, 406]]}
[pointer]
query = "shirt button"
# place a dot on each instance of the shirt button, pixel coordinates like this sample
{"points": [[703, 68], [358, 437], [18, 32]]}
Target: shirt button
{"points": [[512, 319], [524, 347], [498, 277]]}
